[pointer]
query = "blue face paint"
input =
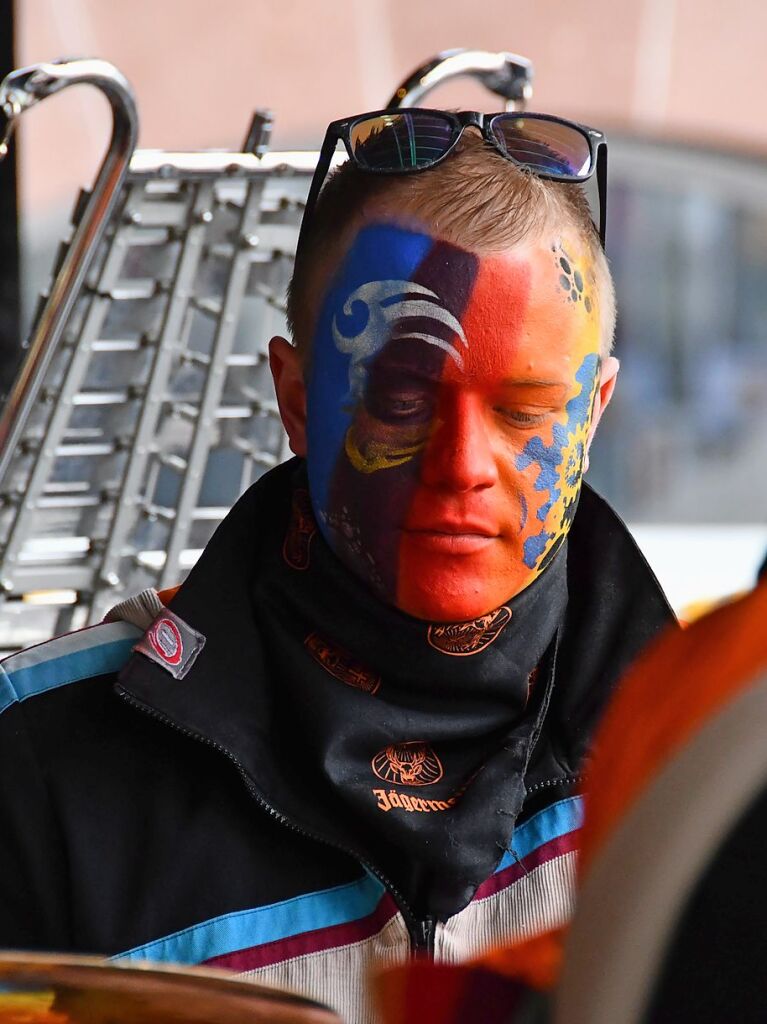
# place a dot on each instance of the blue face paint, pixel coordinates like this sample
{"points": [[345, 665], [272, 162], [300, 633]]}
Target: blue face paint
{"points": [[379, 253], [560, 464]]}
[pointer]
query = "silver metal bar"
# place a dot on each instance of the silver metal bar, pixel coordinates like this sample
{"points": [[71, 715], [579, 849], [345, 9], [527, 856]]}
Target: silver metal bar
{"points": [[66, 487], [214, 384], [244, 359], [210, 306], [167, 347], [79, 434], [152, 163], [116, 345], [154, 511], [506, 74], [156, 559], [49, 576], [69, 501], [20, 90], [50, 450], [133, 291], [254, 453], [101, 397], [173, 461], [54, 547], [77, 451], [232, 412], [213, 513]]}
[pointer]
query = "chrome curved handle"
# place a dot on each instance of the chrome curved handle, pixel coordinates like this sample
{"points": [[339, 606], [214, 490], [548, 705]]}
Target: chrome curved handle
{"points": [[23, 89], [506, 74]]}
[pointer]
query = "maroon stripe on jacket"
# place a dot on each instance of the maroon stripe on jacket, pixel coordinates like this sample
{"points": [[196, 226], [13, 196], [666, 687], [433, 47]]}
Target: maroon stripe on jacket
{"points": [[317, 941], [548, 851]]}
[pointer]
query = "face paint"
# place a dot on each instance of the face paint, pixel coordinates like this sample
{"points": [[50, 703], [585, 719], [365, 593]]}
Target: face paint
{"points": [[449, 402], [560, 464]]}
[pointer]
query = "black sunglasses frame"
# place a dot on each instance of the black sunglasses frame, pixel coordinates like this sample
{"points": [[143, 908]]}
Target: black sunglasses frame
{"points": [[340, 131]]}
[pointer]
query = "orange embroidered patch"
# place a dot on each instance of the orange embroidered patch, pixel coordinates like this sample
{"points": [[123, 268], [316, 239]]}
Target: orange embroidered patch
{"points": [[339, 663], [401, 801], [301, 529], [461, 639], [408, 764]]}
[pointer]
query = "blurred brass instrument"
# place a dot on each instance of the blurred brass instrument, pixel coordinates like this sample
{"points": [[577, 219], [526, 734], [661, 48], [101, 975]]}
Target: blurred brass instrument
{"points": [[43, 989]]}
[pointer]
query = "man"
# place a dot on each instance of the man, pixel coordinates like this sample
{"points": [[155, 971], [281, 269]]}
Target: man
{"points": [[355, 730]]}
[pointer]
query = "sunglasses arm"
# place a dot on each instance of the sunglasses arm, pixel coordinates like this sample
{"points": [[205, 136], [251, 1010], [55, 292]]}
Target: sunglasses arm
{"points": [[602, 189]]}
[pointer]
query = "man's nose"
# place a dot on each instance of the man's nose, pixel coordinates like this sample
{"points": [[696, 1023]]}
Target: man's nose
{"points": [[459, 455]]}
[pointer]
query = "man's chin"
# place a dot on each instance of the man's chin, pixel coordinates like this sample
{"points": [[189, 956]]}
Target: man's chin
{"points": [[439, 586], [451, 600]]}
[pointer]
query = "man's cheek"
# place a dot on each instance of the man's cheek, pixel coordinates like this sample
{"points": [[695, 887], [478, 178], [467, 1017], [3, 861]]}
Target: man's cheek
{"points": [[557, 461], [521, 500], [559, 480]]}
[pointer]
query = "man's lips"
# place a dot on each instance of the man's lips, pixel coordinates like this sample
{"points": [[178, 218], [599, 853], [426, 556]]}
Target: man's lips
{"points": [[452, 537]]}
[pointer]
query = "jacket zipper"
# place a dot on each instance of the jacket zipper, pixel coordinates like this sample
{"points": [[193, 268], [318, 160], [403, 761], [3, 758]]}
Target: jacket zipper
{"points": [[421, 933], [423, 937], [567, 780]]}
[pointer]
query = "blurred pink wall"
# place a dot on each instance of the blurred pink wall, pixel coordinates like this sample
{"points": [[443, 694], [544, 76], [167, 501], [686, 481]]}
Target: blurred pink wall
{"points": [[681, 67]]}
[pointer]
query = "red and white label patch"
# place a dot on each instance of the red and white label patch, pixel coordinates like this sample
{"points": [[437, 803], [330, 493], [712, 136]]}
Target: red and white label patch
{"points": [[164, 636], [171, 643]]}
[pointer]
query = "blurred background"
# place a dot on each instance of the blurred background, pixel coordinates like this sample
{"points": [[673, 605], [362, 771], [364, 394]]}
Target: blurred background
{"points": [[676, 84]]}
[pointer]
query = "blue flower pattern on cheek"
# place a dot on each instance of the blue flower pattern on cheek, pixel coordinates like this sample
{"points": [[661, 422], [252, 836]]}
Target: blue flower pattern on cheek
{"points": [[560, 464]]}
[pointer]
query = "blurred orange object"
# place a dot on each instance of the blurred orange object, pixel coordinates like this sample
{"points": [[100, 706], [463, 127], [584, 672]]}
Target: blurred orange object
{"points": [[682, 681], [488, 989], [30, 1008], [166, 596]]}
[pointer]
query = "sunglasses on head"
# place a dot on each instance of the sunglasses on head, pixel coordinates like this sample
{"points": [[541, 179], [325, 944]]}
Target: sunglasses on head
{"points": [[413, 140]]}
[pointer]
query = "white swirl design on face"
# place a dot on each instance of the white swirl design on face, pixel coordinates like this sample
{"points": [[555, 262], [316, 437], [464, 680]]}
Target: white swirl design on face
{"points": [[387, 302]]}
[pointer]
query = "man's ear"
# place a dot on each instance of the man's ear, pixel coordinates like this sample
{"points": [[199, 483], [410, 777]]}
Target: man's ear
{"points": [[607, 380], [288, 372]]}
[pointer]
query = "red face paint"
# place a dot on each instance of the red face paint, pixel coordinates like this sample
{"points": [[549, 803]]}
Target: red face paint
{"points": [[463, 509]]}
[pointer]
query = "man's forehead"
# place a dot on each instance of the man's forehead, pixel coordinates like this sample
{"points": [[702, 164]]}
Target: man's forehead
{"points": [[551, 276], [386, 242], [390, 250]]}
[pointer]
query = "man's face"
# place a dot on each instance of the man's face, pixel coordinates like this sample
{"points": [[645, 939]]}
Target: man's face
{"points": [[449, 404]]}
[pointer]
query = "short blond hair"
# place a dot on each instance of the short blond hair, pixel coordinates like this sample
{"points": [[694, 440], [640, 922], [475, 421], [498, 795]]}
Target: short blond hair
{"points": [[475, 199]]}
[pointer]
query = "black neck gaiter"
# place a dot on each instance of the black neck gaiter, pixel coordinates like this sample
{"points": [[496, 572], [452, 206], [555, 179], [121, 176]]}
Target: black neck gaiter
{"points": [[413, 737]]}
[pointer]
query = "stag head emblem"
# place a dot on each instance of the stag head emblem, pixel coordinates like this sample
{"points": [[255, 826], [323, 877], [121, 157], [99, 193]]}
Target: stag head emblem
{"points": [[464, 638], [408, 764]]}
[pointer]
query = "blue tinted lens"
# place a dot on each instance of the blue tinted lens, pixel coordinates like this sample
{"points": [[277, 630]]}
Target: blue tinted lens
{"points": [[544, 146], [401, 141]]}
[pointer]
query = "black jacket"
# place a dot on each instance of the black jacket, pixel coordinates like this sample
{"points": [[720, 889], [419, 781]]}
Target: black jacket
{"points": [[140, 815]]}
